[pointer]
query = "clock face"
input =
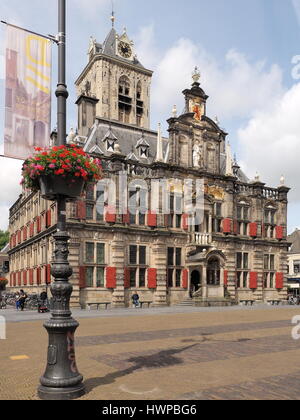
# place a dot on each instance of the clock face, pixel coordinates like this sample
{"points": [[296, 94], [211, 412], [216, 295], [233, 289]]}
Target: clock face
{"points": [[125, 49]]}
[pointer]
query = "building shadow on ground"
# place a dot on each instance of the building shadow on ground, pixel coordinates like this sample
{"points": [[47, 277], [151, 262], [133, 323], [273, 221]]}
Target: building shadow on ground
{"points": [[165, 358]]}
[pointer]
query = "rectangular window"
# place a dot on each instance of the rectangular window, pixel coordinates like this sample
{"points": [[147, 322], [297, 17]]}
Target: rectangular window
{"points": [[133, 277], [178, 278], [178, 256], [89, 276], [142, 255], [100, 254], [133, 255], [90, 250], [242, 265], [100, 276], [142, 277], [170, 256], [89, 212]]}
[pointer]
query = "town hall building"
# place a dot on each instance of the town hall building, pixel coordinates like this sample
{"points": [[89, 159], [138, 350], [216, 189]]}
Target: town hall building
{"points": [[235, 252]]}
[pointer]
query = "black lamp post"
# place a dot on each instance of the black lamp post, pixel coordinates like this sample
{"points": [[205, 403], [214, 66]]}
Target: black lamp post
{"points": [[61, 380]]}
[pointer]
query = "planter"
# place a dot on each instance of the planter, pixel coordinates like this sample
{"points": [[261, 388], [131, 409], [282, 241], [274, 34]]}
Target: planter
{"points": [[54, 186]]}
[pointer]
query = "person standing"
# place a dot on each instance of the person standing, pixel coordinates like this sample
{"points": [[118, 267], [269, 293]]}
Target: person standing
{"points": [[17, 298]]}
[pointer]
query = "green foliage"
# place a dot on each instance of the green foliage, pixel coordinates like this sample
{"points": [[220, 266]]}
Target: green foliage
{"points": [[3, 283], [4, 239]]}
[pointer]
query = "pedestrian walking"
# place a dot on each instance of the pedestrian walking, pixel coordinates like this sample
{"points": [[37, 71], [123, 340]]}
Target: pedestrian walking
{"points": [[17, 299]]}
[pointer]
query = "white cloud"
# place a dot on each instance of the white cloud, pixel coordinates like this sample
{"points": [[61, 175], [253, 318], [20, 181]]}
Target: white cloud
{"points": [[271, 139], [237, 87]]}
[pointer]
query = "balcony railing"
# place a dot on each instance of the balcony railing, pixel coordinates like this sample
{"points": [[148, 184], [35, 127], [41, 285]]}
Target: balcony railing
{"points": [[202, 239]]}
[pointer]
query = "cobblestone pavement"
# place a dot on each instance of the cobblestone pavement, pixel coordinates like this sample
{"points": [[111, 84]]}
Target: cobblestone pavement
{"points": [[165, 355]]}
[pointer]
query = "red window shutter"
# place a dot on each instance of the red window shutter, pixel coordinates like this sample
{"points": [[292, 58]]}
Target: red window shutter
{"points": [[48, 218], [279, 232], [235, 227], [185, 279], [225, 278], [19, 279], [253, 230], [31, 277], [38, 276], [279, 280], [48, 274], [25, 278], [25, 233], [126, 218], [111, 277], [38, 224], [81, 209], [110, 215], [227, 226], [82, 280], [126, 278], [253, 280], [152, 278], [185, 221], [151, 219]]}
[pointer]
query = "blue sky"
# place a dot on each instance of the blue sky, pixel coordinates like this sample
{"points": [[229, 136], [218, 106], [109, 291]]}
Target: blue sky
{"points": [[244, 51]]}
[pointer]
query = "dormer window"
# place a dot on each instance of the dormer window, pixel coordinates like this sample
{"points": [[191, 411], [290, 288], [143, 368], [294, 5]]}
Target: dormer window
{"points": [[110, 146], [110, 140], [143, 147], [144, 152]]}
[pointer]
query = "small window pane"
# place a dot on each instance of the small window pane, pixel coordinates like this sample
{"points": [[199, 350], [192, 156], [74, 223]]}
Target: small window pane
{"points": [[100, 254], [245, 261], [178, 278], [170, 277], [170, 256], [178, 257], [133, 277], [133, 255], [89, 276], [239, 260], [100, 277], [272, 262], [142, 277], [89, 212], [142, 252], [90, 247]]}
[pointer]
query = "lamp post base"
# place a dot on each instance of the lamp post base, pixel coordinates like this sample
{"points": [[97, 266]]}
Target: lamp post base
{"points": [[61, 394]]}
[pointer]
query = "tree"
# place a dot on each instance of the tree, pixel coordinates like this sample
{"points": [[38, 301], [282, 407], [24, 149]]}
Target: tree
{"points": [[4, 238], [3, 283]]}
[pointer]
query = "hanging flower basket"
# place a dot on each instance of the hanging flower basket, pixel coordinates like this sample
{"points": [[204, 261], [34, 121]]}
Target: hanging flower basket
{"points": [[60, 171], [52, 186]]}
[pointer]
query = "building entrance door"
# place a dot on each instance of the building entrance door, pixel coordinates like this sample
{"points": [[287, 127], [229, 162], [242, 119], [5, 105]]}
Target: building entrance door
{"points": [[195, 282]]}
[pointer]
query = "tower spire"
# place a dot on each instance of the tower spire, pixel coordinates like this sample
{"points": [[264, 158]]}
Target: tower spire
{"points": [[112, 18]]}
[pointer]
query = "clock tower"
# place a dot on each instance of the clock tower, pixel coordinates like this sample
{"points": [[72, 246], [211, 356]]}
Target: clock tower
{"points": [[114, 85]]}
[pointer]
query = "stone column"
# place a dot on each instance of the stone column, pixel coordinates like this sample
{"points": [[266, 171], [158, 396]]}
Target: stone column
{"points": [[159, 261], [118, 261], [204, 281]]}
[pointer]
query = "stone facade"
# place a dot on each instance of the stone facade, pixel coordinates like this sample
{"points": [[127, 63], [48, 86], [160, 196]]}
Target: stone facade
{"points": [[153, 243]]}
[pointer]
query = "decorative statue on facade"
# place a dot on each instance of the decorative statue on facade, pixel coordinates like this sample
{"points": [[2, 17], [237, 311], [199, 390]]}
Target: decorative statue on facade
{"points": [[196, 155]]}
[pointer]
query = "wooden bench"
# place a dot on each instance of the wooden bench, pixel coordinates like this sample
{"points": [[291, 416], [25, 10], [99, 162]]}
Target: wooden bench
{"points": [[274, 302], [98, 304], [247, 302], [145, 302]]}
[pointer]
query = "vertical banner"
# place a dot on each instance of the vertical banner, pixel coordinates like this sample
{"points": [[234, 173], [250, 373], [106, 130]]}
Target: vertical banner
{"points": [[27, 93]]}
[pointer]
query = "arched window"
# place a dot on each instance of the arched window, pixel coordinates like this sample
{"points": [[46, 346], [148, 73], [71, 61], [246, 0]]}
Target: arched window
{"points": [[125, 101], [213, 272]]}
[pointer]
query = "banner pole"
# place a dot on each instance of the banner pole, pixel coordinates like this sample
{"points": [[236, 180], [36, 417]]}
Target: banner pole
{"points": [[50, 37]]}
